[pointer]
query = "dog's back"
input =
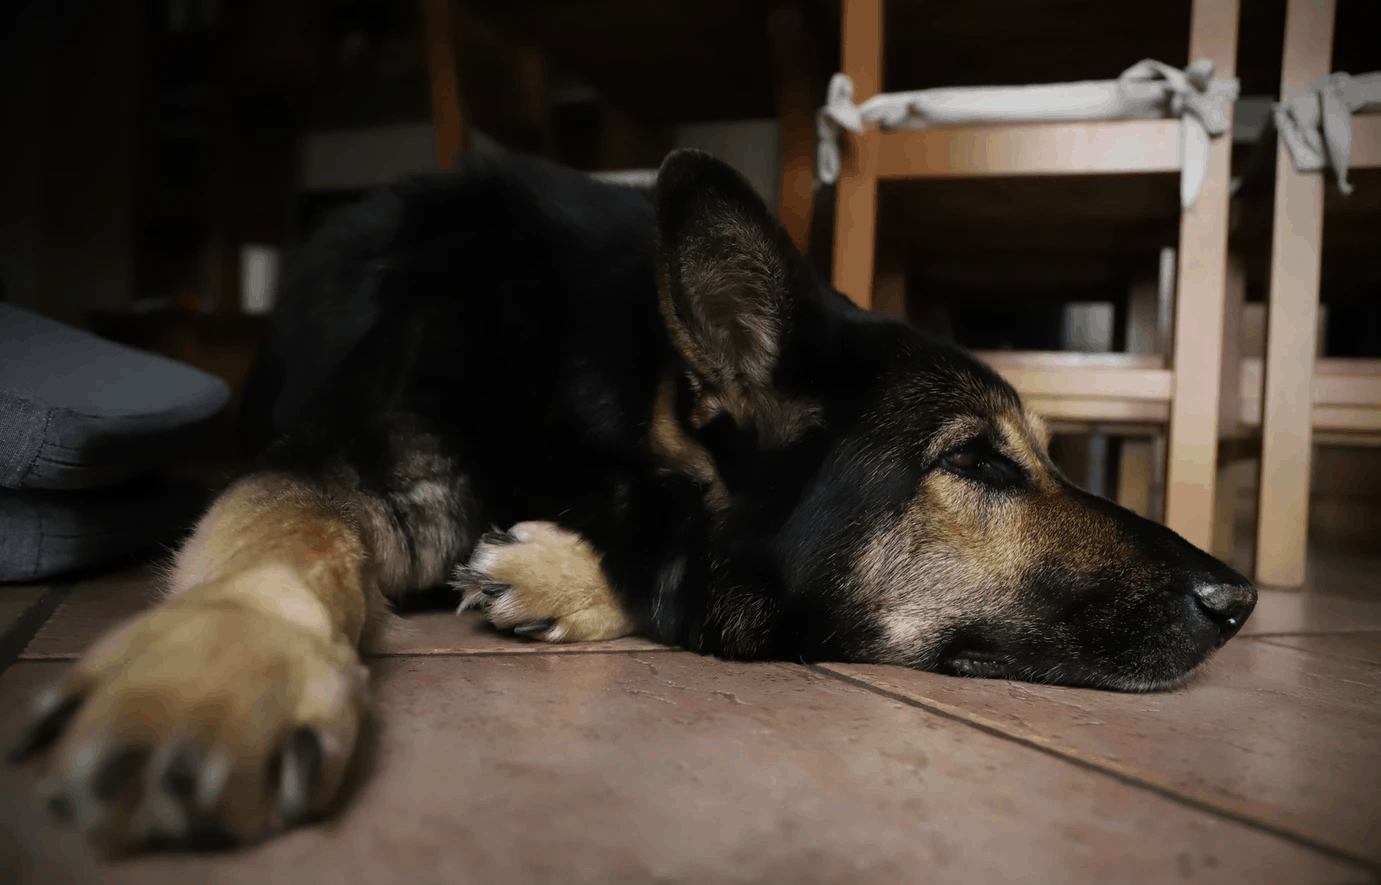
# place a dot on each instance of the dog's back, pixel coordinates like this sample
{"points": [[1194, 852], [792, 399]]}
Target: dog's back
{"points": [[490, 268]]}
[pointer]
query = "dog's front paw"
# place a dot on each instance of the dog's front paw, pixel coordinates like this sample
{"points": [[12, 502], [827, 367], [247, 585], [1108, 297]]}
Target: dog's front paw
{"points": [[216, 719], [540, 580]]}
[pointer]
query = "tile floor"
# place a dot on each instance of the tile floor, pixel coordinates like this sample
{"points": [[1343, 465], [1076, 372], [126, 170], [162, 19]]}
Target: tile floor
{"points": [[500, 760]]}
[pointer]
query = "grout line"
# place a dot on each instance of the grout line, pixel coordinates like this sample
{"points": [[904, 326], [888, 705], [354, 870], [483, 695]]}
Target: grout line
{"points": [[13, 643], [27, 625], [1333, 851]]}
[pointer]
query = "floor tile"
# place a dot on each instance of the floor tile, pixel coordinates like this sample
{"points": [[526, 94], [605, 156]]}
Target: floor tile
{"points": [[1364, 647], [90, 609], [1343, 574], [1275, 734], [1305, 611], [15, 599], [675, 768]]}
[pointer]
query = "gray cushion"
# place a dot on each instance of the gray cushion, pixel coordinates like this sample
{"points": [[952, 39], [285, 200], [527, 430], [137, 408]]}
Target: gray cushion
{"points": [[77, 411], [45, 533]]}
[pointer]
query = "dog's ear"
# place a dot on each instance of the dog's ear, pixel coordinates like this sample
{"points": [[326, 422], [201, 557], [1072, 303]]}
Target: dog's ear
{"points": [[731, 285]]}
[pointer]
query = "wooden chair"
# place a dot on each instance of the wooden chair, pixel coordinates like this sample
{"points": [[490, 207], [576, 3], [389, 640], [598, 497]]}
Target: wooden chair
{"points": [[1187, 394], [1303, 400], [490, 93]]}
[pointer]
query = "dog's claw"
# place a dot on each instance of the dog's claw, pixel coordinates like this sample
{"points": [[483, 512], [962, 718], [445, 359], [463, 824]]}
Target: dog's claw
{"points": [[493, 589], [47, 726], [119, 772], [463, 575], [499, 538], [533, 627], [201, 836], [60, 806], [179, 777], [298, 777]]}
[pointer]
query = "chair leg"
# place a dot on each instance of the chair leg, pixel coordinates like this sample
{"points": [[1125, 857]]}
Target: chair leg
{"points": [[1292, 321], [855, 226], [799, 91], [1198, 335], [448, 100], [856, 194], [1231, 432], [1197, 358]]}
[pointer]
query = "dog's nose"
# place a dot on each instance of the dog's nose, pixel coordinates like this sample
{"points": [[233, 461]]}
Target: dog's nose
{"points": [[1227, 606]]}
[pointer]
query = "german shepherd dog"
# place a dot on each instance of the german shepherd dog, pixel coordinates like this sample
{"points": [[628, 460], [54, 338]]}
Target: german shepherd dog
{"points": [[680, 431]]}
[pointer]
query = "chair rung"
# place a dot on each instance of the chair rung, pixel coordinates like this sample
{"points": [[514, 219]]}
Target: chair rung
{"points": [[1103, 147]]}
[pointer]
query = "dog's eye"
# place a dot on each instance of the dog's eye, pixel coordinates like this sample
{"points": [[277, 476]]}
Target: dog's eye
{"points": [[979, 461], [964, 460]]}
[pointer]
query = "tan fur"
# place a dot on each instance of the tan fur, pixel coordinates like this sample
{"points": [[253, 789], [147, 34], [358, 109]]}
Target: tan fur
{"points": [[551, 574], [683, 455], [258, 635], [743, 618], [937, 543], [735, 298], [958, 536], [271, 520], [1040, 430], [729, 331]]}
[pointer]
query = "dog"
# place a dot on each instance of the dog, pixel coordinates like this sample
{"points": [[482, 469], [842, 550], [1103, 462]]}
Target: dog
{"points": [[596, 414]]}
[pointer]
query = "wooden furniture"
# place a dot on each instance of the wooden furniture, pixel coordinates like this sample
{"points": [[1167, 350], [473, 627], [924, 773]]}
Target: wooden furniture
{"points": [[799, 82], [488, 86], [513, 103], [1183, 389], [1303, 400]]}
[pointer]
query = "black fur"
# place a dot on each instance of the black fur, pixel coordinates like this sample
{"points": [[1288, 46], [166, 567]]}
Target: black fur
{"points": [[506, 319]]}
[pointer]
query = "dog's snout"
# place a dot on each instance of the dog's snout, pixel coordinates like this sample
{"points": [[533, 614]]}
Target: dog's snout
{"points": [[1227, 605]]}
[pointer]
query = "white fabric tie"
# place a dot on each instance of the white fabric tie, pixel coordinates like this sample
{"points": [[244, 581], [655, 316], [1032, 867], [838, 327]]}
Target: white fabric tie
{"points": [[1317, 126], [1146, 90]]}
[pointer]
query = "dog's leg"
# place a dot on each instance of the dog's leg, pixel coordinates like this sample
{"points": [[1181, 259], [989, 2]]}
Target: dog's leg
{"points": [[231, 710], [552, 584], [542, 581]]}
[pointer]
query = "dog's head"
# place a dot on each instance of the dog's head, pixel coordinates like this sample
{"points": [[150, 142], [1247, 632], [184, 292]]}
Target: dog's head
{"points": [[887, 494]]}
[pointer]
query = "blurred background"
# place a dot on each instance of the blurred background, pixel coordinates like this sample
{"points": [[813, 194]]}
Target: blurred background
{"points": [[159, 154]]}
